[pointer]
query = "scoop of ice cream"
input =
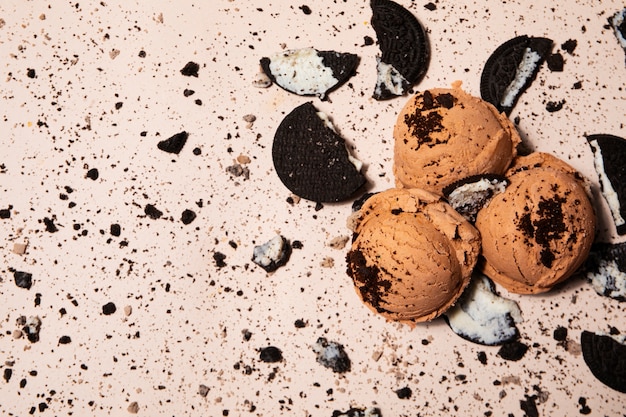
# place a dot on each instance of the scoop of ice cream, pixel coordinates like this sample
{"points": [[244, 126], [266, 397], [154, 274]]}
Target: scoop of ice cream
{"points": [[412, 254], [444, 135], [539, 231]]}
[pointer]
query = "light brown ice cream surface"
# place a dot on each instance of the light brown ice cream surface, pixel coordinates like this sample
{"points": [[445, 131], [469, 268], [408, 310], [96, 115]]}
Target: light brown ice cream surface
{"points": [[444, 134], [539, 231], [412, 255]]}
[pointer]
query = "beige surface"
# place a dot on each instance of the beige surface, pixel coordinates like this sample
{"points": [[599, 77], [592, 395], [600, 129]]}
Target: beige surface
{"points": [[187, 314]]}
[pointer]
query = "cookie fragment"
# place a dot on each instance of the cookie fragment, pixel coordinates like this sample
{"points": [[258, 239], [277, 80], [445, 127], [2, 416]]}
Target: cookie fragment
{"points": [[310, 72], [511, 69], [605, 269], [482, 316], [469, 195], [609, 153], [404, 48], [358, 412], [618, 23], [174, 144], [606, 358], [311, 158], [332, 355], [272, 254]]}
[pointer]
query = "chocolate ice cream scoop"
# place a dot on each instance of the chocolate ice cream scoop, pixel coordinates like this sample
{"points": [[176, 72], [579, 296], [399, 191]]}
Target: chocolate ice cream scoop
{"points": [[444, 135], [539, 231], [412, 254]]}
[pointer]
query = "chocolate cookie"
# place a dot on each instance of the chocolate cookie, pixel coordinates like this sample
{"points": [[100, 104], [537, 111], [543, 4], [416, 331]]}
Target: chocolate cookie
{"points": [[605, 269], [469, 195], [609, 156], [310, 72], [606, 358], [405, 53], [311, 158], [511, 69], [482, 316]]}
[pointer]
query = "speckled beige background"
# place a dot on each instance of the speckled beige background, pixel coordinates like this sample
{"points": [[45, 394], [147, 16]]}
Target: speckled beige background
{"points": [[96, 85]]}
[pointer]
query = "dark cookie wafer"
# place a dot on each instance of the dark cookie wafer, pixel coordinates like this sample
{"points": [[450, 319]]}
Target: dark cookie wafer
{"points": [[405, 53], [298, 72], [312, 160], [511, 69], [609, 156], [605, 269], [606, 358]]}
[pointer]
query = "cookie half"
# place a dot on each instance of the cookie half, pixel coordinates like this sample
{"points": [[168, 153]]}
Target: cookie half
{"points": [[511, 69], [309, 72], [311, 158], [609, 153], [482, 316], [606, 358], [605, 269], [405, 53]]}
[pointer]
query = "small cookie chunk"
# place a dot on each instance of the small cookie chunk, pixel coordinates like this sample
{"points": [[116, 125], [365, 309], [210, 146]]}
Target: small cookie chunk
{"points": [[618, 23], [405, 53], [311, 158], [482, 316], [609, 155], [358, 412], [310, 72], [272, 254], [606, 269], [511, 69], [332, 355], [606, 358], [469, 195]]}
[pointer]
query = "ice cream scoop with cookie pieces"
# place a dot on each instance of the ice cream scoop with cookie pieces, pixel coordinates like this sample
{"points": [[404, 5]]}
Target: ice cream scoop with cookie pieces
{"points": [[539, 231], [412, 254], [443, 135]]}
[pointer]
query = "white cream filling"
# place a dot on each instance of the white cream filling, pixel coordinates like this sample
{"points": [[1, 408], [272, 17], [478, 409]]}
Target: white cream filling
{"points": [[302, 71], [608, 279], [467, 193], [523, 72], [357, 164], [269, 252], [389, 77], [483, 316], [616, 21], [609, 193]]}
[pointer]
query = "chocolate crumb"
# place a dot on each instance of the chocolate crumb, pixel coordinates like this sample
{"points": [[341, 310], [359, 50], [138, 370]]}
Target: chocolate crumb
{"points": [[115, 230], [108, 309], [305, 9], [190, 69], [404, 393], [569, 46], [174, 144], [188, 216], [513, 351], [23, 279], [93, 174], [152, 212], [271, 354]]}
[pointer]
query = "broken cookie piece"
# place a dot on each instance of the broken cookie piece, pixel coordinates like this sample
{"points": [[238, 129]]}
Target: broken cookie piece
{"points": [[469, 195], [604, 355], [272, 254], [332, 355], [511, 69], [405, 53], [311, 158], [482, 316], [606, 269], [618, 23], [609, 153], [310, 72]]}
